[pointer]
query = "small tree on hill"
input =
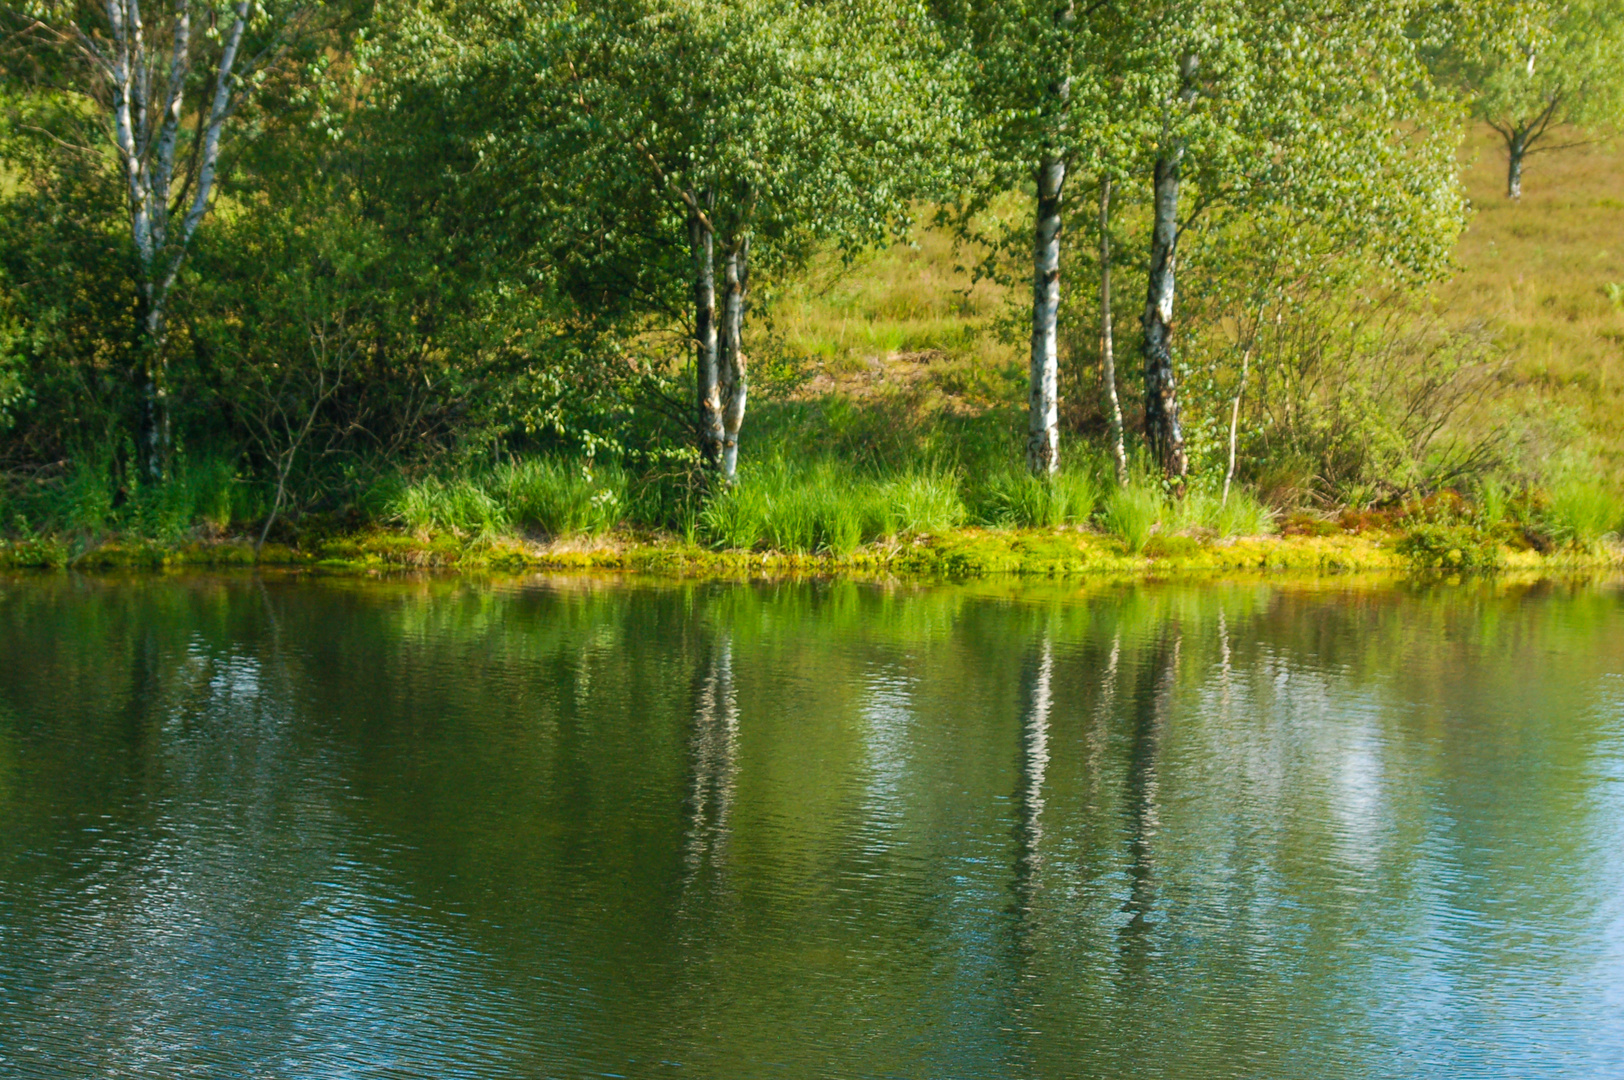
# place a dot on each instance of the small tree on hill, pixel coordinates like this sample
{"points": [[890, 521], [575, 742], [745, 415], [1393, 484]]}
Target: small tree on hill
{"points": [[1553, 65]]}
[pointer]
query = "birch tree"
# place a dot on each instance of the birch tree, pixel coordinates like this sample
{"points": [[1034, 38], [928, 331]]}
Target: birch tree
{"points": [[1281, 103], [162, 89], [748, 131], [1037, 86]]}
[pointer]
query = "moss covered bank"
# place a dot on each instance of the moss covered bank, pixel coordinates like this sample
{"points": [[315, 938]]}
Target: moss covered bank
{"points": [[965, 553]]}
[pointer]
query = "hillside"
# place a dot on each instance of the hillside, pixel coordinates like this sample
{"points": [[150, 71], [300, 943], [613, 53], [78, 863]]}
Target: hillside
{"points": [[1538, 273]]}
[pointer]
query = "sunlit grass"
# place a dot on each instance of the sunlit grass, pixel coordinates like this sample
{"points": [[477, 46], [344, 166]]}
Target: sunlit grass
{"points": [[1539, 271], [827, 507], [1581, 510]]}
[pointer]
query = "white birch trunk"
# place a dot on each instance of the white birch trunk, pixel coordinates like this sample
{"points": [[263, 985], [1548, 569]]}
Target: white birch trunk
{"points": [[702, 241], [147, 144], [1119, 453], [1164, 431], [1235, 422], [1516, 150], [1043, 402], [733, 379]]}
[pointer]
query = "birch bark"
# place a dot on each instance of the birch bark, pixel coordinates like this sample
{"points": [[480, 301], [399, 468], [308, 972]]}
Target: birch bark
{"points": [[1516, 150], [1164, 431], [702, 241], [1119, 453], [146, 127], [1043, 419], [733, 383]]}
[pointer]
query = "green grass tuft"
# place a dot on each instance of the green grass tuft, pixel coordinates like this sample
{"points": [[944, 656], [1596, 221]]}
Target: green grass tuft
{"points": [[827, 507], [1582, 511], [1132, 513], [561, 498]]}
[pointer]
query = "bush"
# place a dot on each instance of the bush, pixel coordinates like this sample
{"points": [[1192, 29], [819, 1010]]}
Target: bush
{"points": [[1434, 545]]}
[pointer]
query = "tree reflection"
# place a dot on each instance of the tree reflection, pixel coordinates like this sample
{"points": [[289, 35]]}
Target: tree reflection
{"points": [[1152, 703], [713, 760], [1037, 693]]}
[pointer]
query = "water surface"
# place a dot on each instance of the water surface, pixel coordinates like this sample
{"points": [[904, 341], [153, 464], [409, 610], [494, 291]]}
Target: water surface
{"points": [[576, 827]]}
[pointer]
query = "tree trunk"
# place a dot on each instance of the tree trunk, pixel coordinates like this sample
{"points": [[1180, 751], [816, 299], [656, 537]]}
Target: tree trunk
{"points": [[1163, 430], [152, 428], [1043, 402], [702, 241], [1235, 422], [733, 383], [1107, 338], [1516, 150]]}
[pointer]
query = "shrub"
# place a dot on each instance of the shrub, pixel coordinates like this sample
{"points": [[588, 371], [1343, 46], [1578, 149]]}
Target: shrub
{"points": [[1436, 545]]}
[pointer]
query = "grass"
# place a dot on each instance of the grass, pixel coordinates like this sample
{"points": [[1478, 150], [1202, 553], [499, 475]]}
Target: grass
{"points": [[1014, 498], [553, 496], [827, 507], [901, 408], [1541, 272], [84, 497], [1132, 513], [1581, 511]]}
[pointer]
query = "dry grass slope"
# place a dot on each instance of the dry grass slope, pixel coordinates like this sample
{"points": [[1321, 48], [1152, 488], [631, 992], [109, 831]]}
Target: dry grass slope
{"points": [[1546, 275]]}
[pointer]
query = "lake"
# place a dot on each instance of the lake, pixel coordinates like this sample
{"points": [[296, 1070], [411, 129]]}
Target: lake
{"points": [[570, 827]]}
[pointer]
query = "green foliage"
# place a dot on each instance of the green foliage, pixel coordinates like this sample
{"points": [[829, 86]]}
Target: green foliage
{"points": [[1241, 515], [560, 498], [1017, 499], [459, 505], [87, 496], [557, 497], [1537, 65], [1449, 545]]}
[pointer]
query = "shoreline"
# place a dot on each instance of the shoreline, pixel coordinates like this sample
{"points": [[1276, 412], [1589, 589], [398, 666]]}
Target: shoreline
{"points": [[958, 555]]}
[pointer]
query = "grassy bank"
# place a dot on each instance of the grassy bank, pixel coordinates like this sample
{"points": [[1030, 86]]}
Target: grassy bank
{"points": [[1170, 545]]}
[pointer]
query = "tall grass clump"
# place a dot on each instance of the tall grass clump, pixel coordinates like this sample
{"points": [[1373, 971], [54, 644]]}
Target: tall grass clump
{"points": [[1493, 503], [1017, 499], [826, 507], [1241, 515], [920, 502], [1132, 513], [560, 498], [1582, 511], [200, 491], [458, 505]]}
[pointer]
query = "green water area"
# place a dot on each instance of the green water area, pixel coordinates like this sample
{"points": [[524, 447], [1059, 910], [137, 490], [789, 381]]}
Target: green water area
{"points": [[572, 826]]}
